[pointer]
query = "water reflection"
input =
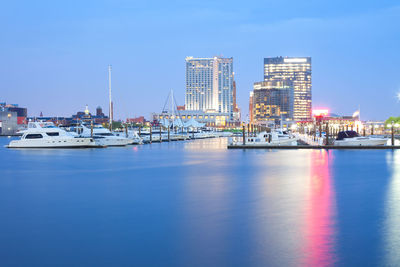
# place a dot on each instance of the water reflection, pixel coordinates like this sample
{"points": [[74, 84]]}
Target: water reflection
{"points": [[391, 227], [207, 202], [321, 212], [280, 192]]}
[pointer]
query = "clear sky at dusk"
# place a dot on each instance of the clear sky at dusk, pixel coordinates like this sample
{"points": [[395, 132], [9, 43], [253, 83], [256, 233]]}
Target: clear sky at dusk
{"points": [[54, 54]]}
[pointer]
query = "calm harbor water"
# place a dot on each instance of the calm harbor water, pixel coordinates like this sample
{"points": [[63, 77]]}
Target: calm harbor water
{"points": [[196, 203]]}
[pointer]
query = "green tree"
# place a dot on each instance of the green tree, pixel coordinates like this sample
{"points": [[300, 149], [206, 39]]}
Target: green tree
{"points": [[392, 119]]}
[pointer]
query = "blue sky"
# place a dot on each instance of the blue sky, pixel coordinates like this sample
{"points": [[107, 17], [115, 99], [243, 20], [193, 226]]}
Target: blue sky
{"points": [[54, 54]]}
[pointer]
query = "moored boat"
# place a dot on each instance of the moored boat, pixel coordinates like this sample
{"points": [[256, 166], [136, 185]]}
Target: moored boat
{"points": [[266, 139], [352, 138], [47, 135]]}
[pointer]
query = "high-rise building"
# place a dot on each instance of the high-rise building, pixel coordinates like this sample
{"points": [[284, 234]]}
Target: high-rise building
{"points": [[272, 101], [298, 71], [209, 84], [234, 102], [236, 109], [251, 117]]}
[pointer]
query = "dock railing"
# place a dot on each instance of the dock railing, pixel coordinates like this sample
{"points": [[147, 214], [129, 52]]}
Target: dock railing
{"points": [[310, 140]]}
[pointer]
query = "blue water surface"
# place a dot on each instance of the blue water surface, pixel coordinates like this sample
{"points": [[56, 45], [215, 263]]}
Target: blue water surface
{"points": [[196, 203]]}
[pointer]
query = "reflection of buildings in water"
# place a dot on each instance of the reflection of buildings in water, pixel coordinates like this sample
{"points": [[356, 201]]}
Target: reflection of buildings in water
{"points": [[202, 145], [320, 219], [207, 203], [391, 229], [278, 210]]}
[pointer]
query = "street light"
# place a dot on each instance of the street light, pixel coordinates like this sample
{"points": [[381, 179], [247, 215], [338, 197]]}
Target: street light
{"points": [[392, 126]]}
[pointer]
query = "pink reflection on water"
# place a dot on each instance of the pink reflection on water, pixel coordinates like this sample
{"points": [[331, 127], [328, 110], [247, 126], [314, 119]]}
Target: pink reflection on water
{"points": [[320, 214]]}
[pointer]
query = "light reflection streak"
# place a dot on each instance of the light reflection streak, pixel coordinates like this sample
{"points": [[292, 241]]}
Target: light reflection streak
{"points": [[321, 212], [278, 212], [391, 225]]}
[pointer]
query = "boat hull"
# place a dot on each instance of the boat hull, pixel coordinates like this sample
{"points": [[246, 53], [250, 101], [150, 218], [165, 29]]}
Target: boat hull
{"points": [[106, 141], [362, 142], [53, 143], [281, 142]]}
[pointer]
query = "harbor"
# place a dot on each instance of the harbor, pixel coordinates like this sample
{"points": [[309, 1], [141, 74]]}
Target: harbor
{"points": [[186, 189], [200, 133]]}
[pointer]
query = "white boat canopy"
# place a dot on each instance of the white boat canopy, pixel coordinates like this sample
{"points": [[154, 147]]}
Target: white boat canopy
{"points": [[193, 123], [164, 122], [177, 123]]}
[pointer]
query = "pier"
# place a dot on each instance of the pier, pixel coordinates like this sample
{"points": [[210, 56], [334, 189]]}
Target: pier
{"points": [[309, 139], [309, 147]]}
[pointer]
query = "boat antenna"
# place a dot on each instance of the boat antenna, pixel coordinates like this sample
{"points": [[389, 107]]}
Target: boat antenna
{"points": [[109, 95]]}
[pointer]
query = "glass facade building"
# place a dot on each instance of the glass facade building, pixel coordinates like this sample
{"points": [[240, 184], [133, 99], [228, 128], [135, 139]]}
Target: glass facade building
{"points": [[209, 84], [272, 101], [298, 71]]}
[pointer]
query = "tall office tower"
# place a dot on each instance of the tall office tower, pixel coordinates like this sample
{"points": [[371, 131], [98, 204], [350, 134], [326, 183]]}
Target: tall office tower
{"points": [[209, 84], [251, 117], [235, 106], [297, 70], [272, 101]]}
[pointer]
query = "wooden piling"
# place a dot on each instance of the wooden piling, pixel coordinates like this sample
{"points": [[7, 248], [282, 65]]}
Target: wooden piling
{"points": [[320, 129], [151, 135], [91, 129], [392, 133], [327, 134], [244, 134]]}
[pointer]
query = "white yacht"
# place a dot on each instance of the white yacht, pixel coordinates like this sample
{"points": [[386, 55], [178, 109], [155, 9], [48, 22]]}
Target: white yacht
{"points": [[266, 139], [132, 135], [103, 136], [352, 138], [47, 135]]}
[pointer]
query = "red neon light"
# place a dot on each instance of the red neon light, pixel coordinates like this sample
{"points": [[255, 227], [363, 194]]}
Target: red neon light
{"points": [[320, 112]]}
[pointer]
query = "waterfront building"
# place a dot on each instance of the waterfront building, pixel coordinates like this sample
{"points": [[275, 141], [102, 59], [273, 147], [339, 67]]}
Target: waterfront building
{"points": [[99, 112], [210, 118], [138, 120], [8, 123], [21, 112], [209, 85], [80, 116], [298, 71], [272, 101], [12, 118]]}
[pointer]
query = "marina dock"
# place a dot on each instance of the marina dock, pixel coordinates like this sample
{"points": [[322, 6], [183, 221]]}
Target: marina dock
{"points": [[309, 147]]}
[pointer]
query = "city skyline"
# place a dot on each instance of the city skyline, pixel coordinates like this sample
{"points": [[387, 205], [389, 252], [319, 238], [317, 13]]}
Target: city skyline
{"points": [[60, 52]]}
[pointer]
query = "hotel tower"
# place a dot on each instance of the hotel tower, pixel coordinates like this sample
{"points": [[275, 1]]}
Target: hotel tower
{"points": [[298, 71], [209, 85]]}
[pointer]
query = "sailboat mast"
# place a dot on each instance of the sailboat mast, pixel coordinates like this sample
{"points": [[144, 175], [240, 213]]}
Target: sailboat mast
{"points": [[172, 104], [109, 95]]}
